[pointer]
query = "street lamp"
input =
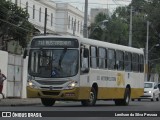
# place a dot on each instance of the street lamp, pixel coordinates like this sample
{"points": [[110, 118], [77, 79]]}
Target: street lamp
{"points": [[157, 45], [101, 24]]}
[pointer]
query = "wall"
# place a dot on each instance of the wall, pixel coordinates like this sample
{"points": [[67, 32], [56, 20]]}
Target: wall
{"points": [[25, 74], [3, 67]]}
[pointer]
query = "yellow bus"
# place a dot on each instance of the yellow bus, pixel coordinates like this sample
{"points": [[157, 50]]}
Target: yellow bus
{"points": [[81, 69]]}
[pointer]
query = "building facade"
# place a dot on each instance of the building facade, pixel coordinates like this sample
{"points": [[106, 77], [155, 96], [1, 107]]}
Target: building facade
{"points": [[62, 18], [69, 20]]}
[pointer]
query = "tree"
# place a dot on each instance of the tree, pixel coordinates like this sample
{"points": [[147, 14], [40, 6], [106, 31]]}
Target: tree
{"points": [[95, 28], [113, 30], [14, 24]]}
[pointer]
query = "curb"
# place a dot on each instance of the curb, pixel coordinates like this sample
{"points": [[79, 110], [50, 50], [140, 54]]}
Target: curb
{"points": [[19, 102]]}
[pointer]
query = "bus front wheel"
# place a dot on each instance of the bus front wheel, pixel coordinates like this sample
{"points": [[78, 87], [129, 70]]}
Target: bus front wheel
{"points": [[47, 101], [92, 98]]}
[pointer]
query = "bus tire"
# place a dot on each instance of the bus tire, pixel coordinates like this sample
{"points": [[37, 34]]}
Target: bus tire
{"points": [[125, 100], [92, 98], [47, 101], [157, 98]]}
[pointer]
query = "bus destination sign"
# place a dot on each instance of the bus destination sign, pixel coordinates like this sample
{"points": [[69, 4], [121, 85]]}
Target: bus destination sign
{"points": [[54, 42]]}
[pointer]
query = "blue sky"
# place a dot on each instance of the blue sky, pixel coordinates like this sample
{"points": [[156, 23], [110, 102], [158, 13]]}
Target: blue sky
{"points": [[110, 4]]}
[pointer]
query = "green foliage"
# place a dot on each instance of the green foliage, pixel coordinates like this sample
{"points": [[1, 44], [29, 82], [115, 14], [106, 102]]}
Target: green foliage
{"points": [[158, 68], [14, 23], [114, 31], [100, 17]]}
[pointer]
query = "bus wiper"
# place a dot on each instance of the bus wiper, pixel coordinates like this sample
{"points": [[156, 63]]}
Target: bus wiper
{"points": [[62, 56]]}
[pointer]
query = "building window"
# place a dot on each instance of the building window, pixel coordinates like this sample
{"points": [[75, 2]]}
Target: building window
{"points": [[27, 7], [51, 19], [75, 24], [72, 24], [16, 1], [78, 27], [20, 3], [40, 12], [69, 22], [81, 31], [33, 11]]}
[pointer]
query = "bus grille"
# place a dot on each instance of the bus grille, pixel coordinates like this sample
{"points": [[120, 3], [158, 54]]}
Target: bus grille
{"points": [[51, 82], [50, 93], [52, 87]]}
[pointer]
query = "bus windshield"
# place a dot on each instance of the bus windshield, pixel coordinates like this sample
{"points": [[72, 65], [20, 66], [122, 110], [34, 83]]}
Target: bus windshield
{"points": [[55, 63]]}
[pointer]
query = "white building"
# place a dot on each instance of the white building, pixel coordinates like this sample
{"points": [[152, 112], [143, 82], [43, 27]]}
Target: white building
{"points": [[95, 11], [62, 18], [36, 10], [69, 20]]}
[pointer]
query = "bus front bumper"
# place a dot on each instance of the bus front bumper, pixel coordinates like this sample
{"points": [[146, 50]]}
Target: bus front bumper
{"points": [[69, 94]]}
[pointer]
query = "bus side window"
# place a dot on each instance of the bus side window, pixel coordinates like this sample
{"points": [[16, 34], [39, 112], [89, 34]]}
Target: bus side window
{"points": [[102, 57], [127, 61], [111, 59], [141, 62], [135, 62], [84, 60], [93, 57], [119, 60]]}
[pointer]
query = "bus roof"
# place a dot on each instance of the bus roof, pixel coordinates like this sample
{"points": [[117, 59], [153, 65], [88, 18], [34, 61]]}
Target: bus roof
{"points": [[98, 43]]}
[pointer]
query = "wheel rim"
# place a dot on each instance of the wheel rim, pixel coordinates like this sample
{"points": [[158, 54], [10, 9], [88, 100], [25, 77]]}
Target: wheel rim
{"points": [[91, 97], [127, 98]]}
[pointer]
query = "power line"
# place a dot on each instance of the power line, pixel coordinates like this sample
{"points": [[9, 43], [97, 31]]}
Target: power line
{"points": [[14, 25]]}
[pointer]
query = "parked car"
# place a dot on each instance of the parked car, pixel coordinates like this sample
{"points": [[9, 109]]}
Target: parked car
{"points": [[151, 91]]}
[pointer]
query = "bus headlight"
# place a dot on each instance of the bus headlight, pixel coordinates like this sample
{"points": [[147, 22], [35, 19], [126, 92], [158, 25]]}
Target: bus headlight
{"points": [[71, 85], [32, 85]]}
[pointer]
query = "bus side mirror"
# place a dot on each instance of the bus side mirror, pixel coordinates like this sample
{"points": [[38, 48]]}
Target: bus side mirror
{"points": [[86, 53], [84, 70], [25, 53]]}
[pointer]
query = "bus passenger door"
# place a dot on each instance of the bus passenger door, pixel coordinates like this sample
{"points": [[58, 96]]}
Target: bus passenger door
{"points": [[84, 72]]}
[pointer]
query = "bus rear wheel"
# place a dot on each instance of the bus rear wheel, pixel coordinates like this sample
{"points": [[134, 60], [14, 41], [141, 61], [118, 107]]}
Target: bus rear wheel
{"points": [[92, 99], [47, 101], [125, 100]]}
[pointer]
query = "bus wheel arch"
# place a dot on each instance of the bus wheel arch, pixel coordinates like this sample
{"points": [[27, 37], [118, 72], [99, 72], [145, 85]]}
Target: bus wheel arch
{"points": [[93, 96]]}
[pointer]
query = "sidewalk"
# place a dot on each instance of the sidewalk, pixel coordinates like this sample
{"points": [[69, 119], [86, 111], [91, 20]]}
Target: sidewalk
{"points": [[19, 101]]}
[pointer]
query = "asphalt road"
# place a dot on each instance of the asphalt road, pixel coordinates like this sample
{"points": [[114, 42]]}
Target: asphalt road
{"points": [[94, 112]]}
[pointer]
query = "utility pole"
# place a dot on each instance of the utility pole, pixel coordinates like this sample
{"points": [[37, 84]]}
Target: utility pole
{"points": [[85, 30], [130, 28], [146, 54], [45, 21]]}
